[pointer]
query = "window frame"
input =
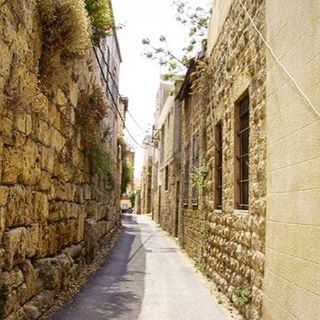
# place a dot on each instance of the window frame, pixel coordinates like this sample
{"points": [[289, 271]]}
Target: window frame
{"points": [[195, 165], [166, 178], [186, 175], [218, 184], [242, 139]]}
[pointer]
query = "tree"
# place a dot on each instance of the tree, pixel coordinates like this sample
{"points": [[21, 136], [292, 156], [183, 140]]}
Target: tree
{"points": [[196, 19], [127, 175], [132, 198]]}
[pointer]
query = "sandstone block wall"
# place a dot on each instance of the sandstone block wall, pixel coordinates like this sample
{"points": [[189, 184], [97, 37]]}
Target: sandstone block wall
{"points": [[235, 239], [54, 212], [291, 284], [193, 217]]}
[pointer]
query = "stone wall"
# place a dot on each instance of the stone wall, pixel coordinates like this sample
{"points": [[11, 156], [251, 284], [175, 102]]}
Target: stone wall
{"points": [[193, 216], [54, 212], [234, 248], [291, 284]]}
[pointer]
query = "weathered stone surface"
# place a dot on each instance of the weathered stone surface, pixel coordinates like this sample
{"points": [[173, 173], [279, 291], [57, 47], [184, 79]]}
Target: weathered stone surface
{"points": [[41, 206], [12, 166], [19, 207], [14, 245], [53, 271], [4, 192], [45, 182], [12, 279]]}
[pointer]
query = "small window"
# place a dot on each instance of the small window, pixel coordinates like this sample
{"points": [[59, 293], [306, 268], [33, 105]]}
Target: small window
{"points": [[218, 166], [166, 181], [242, 153], [186, 176]]}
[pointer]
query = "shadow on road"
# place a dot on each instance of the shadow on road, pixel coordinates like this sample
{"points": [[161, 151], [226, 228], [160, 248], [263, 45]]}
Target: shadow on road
{"points": [[116, 290]]}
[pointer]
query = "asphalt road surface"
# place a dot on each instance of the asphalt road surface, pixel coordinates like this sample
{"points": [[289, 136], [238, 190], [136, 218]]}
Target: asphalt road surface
{"points": [[146, 277]]}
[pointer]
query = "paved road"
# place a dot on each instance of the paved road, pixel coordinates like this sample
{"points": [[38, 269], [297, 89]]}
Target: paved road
{"points": [[146, 277]]}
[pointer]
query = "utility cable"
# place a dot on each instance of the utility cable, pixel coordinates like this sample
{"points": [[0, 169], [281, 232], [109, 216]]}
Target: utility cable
{"points": [[279, 62], [117, 89], [113, 100]]}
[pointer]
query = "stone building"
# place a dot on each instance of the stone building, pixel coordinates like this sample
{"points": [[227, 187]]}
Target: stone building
{"points": [[56, 209], [249, 182], [166, 163], [162, 95]]}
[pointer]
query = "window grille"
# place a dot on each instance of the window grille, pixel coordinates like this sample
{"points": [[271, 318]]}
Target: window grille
{"points": [[186, 176], [195, 166], [218, 165], [242, 153]]}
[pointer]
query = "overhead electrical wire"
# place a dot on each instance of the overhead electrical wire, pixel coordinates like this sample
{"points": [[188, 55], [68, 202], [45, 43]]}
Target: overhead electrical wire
{"points": [[279, 62], [113, 80], [113, 100]]}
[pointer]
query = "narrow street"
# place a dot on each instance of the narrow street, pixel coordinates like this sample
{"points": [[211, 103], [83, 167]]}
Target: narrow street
{"points": [[146, 277]]}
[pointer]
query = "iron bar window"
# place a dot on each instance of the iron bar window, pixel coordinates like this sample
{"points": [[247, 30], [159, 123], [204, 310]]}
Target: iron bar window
{"points": [[195, 166], [242, 153], [186, 176], [218, 165]]}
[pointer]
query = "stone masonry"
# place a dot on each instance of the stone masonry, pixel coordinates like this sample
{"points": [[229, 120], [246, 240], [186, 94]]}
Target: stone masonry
{"points": [[228, 243], [235, 239], [54, 213]]}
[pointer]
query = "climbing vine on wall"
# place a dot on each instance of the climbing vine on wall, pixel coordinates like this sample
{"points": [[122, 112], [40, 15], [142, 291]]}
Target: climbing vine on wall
{"points": [[92, 109], [199, 176]]}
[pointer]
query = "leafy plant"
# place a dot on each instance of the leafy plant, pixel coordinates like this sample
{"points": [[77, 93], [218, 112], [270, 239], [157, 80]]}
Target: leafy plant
{"points": [[199, 176], [196, 20], [92, 109], [66, 27], [101, 17], [127, 175], [244, 295], [132, 198], [98, 158]]}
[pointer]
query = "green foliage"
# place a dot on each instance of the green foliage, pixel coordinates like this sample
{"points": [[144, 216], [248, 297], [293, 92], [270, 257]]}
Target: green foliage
{"points": [[66, 28], [98, 158], [101, 17], [195, 19], [199, 265], [92, 109], [199, 176], [127, 175], [132, 198], [244, 295]]}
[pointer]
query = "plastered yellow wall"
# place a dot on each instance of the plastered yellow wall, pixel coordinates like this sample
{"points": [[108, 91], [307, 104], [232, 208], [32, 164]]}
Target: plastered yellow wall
{"points": [[292, 268]]}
